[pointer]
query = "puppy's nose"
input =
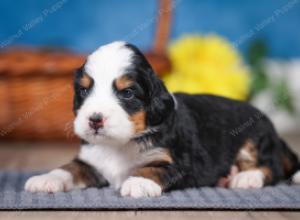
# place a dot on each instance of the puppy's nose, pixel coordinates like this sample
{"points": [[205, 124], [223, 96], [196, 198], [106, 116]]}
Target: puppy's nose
{"points": [[96, 121]]}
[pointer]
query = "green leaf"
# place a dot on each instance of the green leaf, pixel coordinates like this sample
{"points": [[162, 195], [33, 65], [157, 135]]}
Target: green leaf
{"points": [[259, 82], [283, 97], [255, 55], [257, 52]]}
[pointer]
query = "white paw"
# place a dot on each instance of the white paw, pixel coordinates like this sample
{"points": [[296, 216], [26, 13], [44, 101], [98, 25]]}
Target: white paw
{"points": [[296, 178], [140, 187], [56, 181], [248, 179]]}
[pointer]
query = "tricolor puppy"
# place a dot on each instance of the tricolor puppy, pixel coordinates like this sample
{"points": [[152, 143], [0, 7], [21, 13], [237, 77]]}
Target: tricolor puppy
{"points": [[139, 138]]}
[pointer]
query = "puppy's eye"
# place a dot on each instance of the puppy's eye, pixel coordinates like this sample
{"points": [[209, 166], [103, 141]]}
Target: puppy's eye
{"points": [[126, 94], [83, 92]]}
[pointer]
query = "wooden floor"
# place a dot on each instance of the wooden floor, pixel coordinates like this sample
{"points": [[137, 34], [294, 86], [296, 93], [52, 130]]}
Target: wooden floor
{"points": [[42, 156], [149, 215]]}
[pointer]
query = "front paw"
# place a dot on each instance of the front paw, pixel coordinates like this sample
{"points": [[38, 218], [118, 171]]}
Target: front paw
{"points": [[137, 187], [55, 181]]}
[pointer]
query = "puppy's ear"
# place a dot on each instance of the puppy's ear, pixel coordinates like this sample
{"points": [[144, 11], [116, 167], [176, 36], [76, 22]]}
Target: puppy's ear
{"points": [[161, 103]]}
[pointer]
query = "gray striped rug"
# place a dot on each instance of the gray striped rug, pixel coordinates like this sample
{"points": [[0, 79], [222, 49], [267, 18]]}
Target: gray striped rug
{"points": [[12, 197]]}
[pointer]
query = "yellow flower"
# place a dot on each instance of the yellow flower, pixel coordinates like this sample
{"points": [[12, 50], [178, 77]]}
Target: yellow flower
{"points": [[207, 64]]}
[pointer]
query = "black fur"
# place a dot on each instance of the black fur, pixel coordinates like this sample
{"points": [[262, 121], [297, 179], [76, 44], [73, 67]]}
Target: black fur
{"points": [[202, 133], [205, 133], [135, 103], [92, 176], [157, 101], [199, 135], [78, 96]]}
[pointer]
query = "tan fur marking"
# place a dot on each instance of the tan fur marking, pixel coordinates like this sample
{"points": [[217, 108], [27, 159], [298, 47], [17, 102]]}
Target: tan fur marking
{"points": [[138, 118], [247, 160], [139, 121], [287, 165], [163, 157], [155, 157], [85, 81], [80, 174], [123, 82], [152, 173], [154, 169], [268, 174], [247, 156]]}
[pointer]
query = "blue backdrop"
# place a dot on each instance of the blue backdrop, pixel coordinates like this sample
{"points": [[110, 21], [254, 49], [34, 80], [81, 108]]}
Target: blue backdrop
{"points": [[83, 25]]}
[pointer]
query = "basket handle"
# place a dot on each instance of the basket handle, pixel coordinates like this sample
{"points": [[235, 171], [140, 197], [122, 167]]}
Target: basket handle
{"points": [[163, 26]]}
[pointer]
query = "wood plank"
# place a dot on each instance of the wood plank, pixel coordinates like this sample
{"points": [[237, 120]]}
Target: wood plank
{"points": [[147, 215]]}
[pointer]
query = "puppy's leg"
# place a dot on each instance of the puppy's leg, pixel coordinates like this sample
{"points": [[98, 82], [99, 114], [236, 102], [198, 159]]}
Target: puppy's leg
{"points": [[254, 168], [254, 178], [224, 181], [76, 174], [150, 181]]}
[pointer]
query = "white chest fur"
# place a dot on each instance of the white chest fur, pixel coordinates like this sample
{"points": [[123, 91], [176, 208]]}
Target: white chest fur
{"points": [[114, 163]]}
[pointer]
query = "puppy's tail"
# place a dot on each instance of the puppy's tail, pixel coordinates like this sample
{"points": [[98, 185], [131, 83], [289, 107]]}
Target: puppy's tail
{"points": [[291, 164]]}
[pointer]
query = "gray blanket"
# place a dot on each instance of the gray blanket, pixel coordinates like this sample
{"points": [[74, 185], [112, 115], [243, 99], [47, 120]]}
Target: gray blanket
{"points": [[13, 197]]}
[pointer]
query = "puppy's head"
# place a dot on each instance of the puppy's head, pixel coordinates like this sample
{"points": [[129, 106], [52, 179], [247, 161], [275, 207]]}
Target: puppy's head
{"points": [[118, 96]]}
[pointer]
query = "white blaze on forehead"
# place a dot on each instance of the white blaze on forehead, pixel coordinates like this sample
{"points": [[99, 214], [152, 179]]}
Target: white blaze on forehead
{"points": [[105, 65], [108, 62]]}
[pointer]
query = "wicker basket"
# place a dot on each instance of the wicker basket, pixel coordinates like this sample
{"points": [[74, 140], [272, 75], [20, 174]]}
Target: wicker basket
{"points": [[36, 86]]}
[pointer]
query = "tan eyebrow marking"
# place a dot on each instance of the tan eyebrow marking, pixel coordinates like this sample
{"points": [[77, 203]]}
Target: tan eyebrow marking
{"points": [[85, 81], [123, 82]]}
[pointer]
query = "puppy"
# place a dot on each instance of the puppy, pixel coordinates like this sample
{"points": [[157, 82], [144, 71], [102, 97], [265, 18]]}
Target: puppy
{"points": [[143, 140]]}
